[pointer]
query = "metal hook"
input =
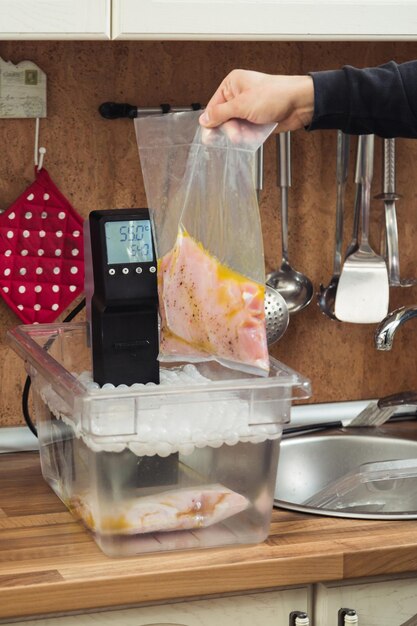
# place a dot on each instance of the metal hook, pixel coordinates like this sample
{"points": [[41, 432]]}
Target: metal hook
{"points": [[39, 152], [42, 152]]}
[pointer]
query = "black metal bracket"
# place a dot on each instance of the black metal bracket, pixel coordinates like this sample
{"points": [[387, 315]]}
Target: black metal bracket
{"points": [[342, 614], [294, 615], [117, 110]]}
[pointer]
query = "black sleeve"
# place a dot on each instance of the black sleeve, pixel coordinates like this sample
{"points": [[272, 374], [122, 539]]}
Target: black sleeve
{"points": [[380, 100]]}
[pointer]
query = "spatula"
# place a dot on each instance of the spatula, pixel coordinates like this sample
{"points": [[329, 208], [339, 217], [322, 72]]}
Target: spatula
{"points": [[363, 292]]}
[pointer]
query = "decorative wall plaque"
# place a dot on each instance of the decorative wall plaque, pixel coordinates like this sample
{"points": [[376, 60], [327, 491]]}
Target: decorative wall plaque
{"points": [[22, 90]]}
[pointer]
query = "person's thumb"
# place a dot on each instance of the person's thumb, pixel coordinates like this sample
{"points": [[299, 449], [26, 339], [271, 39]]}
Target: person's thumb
{"points": [[217, 114]]}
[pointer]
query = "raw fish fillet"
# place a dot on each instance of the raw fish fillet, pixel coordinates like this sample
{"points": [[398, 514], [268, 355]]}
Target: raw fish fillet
{"points": [[182, 509], [208, 309]]}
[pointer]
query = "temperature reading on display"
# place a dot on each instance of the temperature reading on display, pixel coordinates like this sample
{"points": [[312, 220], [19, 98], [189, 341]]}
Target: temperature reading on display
{"points": [[129, 241]]}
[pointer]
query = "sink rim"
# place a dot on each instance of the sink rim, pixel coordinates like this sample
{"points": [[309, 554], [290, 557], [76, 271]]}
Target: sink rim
{"points": [[344, 434]]}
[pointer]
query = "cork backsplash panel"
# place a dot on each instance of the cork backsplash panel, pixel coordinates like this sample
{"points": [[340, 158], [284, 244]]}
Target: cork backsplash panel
{"points": [[95, 164]]}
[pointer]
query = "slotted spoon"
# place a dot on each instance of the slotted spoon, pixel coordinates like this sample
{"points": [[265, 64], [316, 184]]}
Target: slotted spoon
{"points": [[362, 295], [276, 315]]}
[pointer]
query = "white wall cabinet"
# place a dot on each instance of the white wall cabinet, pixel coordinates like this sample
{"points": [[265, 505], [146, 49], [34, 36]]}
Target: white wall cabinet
{"points": [[377, 603], [55, 19], [257, 609], [264, 19], [209, 19]]}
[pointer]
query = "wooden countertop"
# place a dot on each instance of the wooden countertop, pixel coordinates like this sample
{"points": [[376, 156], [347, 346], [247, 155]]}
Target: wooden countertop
{"points": [[49, 563]]}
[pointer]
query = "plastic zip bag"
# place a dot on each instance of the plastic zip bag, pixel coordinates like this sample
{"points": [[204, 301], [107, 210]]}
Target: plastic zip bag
{"points": [[200, 187]]}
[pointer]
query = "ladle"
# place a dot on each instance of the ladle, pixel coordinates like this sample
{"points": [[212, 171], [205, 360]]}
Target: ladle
{"points": [[295, 287], [327, 295]]}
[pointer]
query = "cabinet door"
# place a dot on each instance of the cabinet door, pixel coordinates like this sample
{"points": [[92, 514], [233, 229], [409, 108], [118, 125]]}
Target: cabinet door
{"points": [[55, 19], [377, 603], [258, 609], [262, 19]]}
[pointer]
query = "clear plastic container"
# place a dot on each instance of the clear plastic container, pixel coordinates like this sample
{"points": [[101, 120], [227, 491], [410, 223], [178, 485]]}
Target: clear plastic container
{"points": [[380, 486], [189, 463]]}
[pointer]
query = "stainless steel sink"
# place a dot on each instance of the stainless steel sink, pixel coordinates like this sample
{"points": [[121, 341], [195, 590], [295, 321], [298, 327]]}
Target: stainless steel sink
{"points": [[309, 463]]}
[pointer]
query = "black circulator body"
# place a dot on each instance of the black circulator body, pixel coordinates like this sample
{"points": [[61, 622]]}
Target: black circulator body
{"points": [[122, 296]]}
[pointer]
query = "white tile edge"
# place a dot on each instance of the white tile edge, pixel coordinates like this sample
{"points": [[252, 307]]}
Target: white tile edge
{"points": [[326, 412], [17, 439]]}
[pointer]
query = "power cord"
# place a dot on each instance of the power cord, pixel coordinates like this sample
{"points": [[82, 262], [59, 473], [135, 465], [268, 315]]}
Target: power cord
{"points": [[28, 382]]}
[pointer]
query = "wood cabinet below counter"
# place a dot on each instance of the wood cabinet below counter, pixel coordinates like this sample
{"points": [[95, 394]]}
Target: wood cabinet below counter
{"points": [[260, 609], [379, 602]]}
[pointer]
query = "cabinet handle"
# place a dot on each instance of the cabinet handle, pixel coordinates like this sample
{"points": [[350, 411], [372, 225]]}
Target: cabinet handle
{"points": [[347, 616], [299, 618]]}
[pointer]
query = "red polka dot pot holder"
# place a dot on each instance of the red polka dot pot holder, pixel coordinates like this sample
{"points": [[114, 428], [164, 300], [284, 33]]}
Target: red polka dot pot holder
{"points": [[41, 253]]}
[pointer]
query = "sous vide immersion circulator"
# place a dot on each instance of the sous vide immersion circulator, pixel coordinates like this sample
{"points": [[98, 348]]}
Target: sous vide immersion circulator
{"points": [[122, 296]]}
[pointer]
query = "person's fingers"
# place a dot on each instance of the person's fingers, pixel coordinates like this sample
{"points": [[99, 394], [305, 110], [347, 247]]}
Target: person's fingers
{"points": [[219, 95], [229, 89], [214, 115], [284, 126], [231, 128]]}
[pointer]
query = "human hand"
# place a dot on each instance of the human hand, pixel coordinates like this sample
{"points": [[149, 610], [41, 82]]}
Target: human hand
{"points": [[261, 99]]}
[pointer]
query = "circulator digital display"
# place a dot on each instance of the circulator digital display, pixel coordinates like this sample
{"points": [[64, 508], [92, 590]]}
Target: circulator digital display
{"points": [[129, 241]]}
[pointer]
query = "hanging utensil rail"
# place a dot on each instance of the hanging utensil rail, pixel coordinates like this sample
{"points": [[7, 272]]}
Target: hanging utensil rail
{"points": [[117, 110]]}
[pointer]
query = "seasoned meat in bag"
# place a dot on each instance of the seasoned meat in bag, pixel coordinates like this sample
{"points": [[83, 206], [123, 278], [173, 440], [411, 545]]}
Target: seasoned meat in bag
{"points": [[180, 509], [208, 309]]}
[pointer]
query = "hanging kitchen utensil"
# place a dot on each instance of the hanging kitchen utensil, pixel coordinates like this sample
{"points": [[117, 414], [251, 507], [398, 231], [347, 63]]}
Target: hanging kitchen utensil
{"points": [[41, 252], [326, 296], [389, 196], [363, 291], [296, 288], [276, 315], [354, 242]]}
